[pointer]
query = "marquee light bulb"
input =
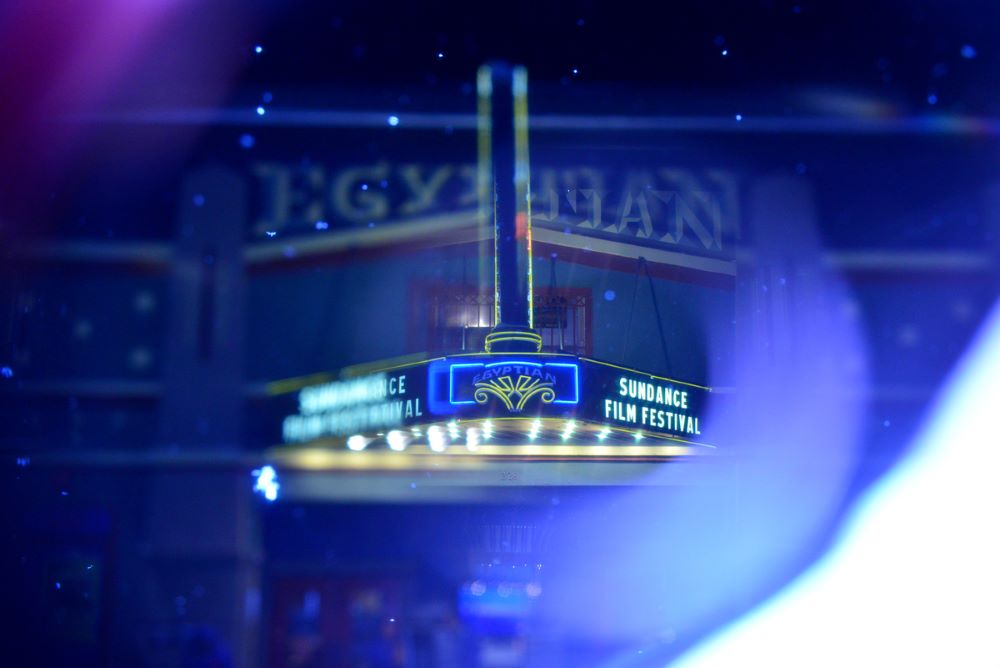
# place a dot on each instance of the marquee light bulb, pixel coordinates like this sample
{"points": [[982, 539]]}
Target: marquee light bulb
{"points": [[604, 433], [357, 443], [435, 439], [472, 439], [397, 440]]}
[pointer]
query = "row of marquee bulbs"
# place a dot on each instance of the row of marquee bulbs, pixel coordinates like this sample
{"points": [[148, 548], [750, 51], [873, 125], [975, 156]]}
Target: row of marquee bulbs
{"points": [[439, 437]]}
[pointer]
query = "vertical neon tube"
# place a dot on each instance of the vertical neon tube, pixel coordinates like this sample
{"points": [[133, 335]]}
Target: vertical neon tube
{"points": [[522, 179], [484, 183], [503, 92]]}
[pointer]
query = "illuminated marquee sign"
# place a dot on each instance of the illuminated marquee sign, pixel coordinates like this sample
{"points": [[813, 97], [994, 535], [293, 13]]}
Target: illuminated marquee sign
{"points": [[516, 384], [653, 404], [357, 405], [486, 386]]}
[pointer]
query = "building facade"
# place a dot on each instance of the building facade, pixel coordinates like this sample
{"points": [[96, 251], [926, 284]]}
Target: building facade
{"points": [[148, 325]]}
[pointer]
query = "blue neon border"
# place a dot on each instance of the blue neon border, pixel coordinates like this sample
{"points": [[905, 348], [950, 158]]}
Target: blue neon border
{"points": [[576, 378], [451, 382]]}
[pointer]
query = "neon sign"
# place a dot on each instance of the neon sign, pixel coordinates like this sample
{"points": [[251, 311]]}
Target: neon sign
{"points": [[648, 403], [343, 408], [514, 383], [448, 400]]}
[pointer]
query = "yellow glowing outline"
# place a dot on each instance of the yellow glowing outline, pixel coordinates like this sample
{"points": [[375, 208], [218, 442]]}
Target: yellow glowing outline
{"points": [[539, 354], [522, 174], [643, 373], [584, 425], [404, 365], [511, 336], [484, 87], [296, 383], [287, 385], [504, 388], [318, 457]]}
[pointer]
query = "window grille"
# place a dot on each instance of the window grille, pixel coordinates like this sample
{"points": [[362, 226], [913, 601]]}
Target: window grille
{"points": [[459, 320]]}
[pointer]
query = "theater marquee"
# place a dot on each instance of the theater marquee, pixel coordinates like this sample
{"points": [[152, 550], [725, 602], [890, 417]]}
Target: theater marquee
{"points": [[501, 398], [512, 394]]}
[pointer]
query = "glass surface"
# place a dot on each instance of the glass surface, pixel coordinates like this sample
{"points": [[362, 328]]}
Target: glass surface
{"points": [[257, 409]]}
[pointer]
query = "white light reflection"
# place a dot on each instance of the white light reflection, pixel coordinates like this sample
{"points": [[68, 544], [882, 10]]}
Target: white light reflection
{"points": [[913, 578], [472, 439], [436, 438], [397, 440], [266, 482], [786, 492], [357, 443]]}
